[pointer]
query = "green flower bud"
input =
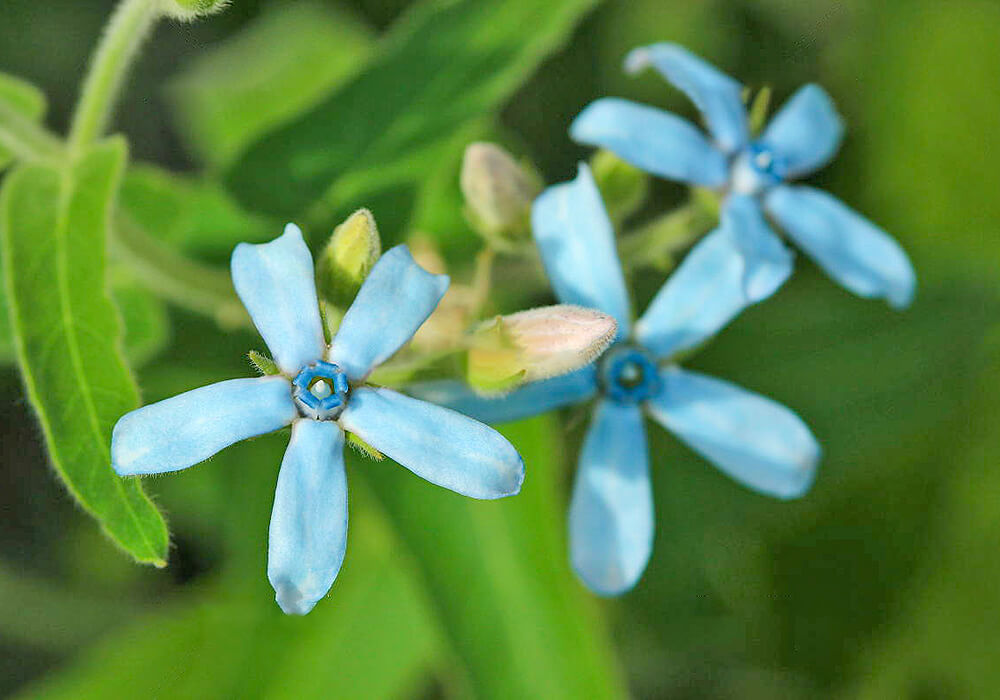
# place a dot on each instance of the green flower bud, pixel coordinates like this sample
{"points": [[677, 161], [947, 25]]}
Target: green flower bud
{"points": [[190, 10], [498, 191], [623, 186], [536, 344], [346, 260]]}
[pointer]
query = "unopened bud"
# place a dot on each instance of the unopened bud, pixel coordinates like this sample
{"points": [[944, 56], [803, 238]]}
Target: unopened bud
{"points": [[623, 186], [536, 344], [498, 190], [347, 259], [190, 10]]}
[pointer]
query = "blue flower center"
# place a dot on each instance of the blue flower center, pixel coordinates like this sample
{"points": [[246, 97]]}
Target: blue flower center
{"points": [[320, 391], [629, 375], [756, 169]]}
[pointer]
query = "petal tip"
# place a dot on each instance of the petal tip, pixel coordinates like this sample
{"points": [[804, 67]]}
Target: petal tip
{"points": [[293, 601]]}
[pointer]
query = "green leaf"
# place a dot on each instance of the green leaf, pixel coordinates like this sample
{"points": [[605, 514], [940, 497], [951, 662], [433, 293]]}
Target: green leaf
{"points": [[373, 638], [53, 226], [24, 98], [443, 65], [281, 65], [498, 575], [147, 329], [192, 215]]}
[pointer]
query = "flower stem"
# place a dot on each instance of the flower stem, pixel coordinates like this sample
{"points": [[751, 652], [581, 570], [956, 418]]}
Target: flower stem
{"points": [[129, 26]]}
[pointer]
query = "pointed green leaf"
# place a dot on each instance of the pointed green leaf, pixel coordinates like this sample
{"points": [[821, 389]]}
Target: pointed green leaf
{"points": [[499, 577], [24, 98], [444, 65], [280, 65], [53, 226]]}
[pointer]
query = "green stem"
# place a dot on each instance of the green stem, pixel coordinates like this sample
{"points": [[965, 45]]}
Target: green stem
{"points": [[186, 283], [129, 26], [657, 243]]}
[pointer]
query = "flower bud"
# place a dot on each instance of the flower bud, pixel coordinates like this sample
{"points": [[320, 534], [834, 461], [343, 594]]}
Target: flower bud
{"points": [[536, 344], [623, 186], [190, 10], [353, 249], [498, 191]]}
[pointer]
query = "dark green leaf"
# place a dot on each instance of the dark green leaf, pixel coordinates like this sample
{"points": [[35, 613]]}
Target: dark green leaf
{"points": [[444, 65], [279, 66], [53, 225], [499, 578]]}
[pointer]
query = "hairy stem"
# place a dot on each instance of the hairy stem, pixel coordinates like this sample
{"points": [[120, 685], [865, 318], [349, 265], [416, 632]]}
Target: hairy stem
{"points": [[129, 26]]}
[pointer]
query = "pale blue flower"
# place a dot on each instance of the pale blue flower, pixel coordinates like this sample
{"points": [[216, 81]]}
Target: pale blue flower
{"points": [[321, 392], [803, 136], [751, 438]]}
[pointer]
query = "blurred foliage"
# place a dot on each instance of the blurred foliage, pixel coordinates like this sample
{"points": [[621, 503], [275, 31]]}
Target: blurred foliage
{"points": [[879, 584]]}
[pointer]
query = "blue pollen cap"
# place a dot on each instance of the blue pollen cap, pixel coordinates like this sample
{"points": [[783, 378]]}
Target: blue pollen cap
{"points": [[629, 374], [320, 391]]}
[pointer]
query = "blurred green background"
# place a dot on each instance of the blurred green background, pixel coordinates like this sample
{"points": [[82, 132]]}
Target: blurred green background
{"points": [[883, 582]]}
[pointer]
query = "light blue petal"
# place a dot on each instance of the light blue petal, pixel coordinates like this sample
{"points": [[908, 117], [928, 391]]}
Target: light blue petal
{"points": [[307, 538], [275, 282], [713, 282], [181, 431], [806, 132], [651, 139], [611, 513], [530, 400], [577, 243], [396, 298], [435, 443], [852, 250], [715, 94], [767, 262], [753, 439]]}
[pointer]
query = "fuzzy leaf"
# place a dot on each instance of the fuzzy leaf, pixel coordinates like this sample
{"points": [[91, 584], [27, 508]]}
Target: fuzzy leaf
{"points": [[53, 226]]}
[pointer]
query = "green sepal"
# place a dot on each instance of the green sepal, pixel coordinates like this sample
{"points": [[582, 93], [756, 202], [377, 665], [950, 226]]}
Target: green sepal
{"points": [[363, 447], [494, 364], [262, 363], [758, 111]]}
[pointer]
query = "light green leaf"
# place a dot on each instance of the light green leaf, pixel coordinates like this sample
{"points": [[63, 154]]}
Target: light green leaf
{"points": [[443, 65], [190, 214], [23, 97], [279, 66], [499, 578], [53, 226]]}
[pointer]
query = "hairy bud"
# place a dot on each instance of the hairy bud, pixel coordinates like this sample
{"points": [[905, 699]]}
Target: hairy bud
{"points": [[536, 344], [353, 249], [498, 191], [190, 10]]}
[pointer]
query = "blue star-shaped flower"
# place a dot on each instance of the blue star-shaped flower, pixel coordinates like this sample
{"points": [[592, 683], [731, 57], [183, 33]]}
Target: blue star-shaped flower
{"points": [[803, 136], [751, 438], [321, 392]]}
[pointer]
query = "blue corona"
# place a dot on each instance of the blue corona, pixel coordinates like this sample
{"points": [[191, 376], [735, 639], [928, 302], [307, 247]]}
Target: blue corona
{"points": [[629, 375], [320, 391]]}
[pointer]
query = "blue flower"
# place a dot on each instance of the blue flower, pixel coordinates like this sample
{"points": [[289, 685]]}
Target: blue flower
{"points": [[803, 136], [321, 392], [749, 437]]}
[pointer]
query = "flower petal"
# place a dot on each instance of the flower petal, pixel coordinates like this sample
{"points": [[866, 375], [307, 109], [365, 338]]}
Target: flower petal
{"points": [[181, 431], [651, 139], [577, 243], [435, 443], [715, 94], [611, 513], [307, 538], [767, 261], [713, 283], [275, 281], [529, 400], [396, 298], [753, 439], [806, 132], [852, 250]]}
